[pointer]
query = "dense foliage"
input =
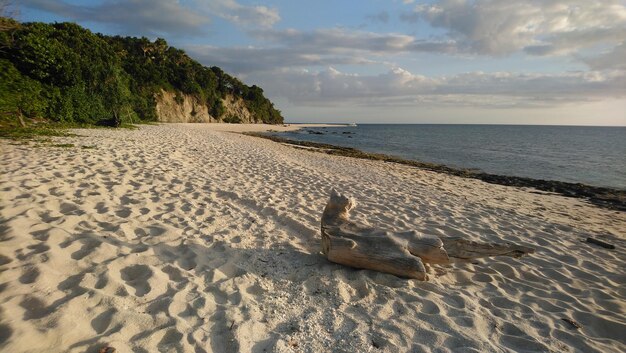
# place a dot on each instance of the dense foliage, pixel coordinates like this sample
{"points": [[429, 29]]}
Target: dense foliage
{"points": [[66, 73]]}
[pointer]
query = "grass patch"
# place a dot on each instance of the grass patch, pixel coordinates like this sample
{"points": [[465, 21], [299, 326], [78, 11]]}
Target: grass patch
{"points": [[36, 129], [85, 147], [32, 132], [128, 126]]}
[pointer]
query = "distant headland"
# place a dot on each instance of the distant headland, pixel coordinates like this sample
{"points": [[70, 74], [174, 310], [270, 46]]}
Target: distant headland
{"points": [[64, 73]]}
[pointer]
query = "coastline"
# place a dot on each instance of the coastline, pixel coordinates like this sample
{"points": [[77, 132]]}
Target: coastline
{"points": [[610, 198], [187, 237], [259, 128]]}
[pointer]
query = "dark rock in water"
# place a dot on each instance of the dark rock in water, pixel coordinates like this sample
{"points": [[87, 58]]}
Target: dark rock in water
{"points": [[313, 132], [347, 132]]}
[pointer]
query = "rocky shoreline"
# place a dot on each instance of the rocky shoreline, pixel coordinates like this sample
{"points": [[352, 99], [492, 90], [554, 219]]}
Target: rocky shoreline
{"points": [[609, 198]]}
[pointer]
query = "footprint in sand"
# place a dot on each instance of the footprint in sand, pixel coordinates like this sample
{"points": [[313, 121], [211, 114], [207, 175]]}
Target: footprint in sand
{"points": [[101, 208], [123, 212], [173, 273], [187, 257], [161, 304], [34, 308], [137, 277], [29, 275], [89, 246], [170, 341], [35, 249], [430, 307], [5, 260], [139, 248], [101, 322], [153, 231], [69, 209], [103, 280], [41, 235], [5, 333]]}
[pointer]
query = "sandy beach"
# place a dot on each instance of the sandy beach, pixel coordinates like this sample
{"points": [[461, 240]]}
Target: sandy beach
{"points": [[192, 238]]}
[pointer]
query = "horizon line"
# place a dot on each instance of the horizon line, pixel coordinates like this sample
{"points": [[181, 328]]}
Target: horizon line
{"points": [[499, 124]]}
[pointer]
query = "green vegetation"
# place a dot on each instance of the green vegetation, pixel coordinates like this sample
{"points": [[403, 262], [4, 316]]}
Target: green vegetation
{"points": [[16, 132], [63, 73], [231, 119]]}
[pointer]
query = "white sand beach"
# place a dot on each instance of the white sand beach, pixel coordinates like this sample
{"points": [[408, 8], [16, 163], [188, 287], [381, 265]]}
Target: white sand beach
{"points": [[190, 238]]}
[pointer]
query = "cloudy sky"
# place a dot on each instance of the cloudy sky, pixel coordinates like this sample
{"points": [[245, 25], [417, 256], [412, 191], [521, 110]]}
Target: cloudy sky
{"points": [[394, 61]]}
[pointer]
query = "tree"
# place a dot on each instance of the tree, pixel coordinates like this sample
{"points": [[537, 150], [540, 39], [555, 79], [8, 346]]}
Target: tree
{"points": [[20, 96], [76, 76]]}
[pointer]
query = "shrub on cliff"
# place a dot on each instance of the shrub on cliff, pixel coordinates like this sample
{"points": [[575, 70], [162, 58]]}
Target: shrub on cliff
{"points": [[66, 73]]}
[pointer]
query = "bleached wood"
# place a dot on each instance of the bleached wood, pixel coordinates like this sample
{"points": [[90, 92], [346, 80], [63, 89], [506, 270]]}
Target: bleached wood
{"points": [[466, 249], [348, 243], [399, 253]]}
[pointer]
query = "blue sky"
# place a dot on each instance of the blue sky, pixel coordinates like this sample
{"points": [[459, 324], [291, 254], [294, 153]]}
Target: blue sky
{"points": [[394, 61]]}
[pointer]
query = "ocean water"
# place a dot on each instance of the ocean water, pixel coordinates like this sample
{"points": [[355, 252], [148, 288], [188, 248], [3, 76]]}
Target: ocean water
{"points": [[589, 155]]}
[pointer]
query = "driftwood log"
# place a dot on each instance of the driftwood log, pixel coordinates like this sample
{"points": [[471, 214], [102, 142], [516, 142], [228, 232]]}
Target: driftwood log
{"points": [[399, 253]]}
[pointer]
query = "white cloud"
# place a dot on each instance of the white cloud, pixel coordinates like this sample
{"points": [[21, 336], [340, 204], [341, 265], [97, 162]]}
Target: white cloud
{"points": [[160, 17], [136, 17], [539, 27], [479, 89], [243, 60], [244, 16], [292, 48], [613, 59], [338, 40], [283, 68]]}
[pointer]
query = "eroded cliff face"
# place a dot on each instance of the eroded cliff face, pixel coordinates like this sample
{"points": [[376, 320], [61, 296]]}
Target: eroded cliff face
{"points": [[235, 111], [182, 108]]}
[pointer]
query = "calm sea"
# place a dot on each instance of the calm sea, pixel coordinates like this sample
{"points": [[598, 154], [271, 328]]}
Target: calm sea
{"points": [[589, 155]]}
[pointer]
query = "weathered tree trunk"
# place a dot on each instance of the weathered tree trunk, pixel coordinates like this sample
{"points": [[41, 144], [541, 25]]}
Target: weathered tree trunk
{"points": [[348, 243], [399, 253], [459, 248], [20, 117]]}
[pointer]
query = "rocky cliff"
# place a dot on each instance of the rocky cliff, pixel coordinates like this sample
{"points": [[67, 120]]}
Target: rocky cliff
{"points": [[177, 107], [235, 111], [181, 108]]}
